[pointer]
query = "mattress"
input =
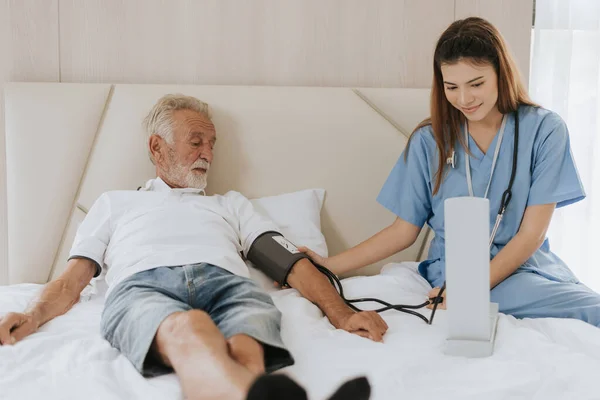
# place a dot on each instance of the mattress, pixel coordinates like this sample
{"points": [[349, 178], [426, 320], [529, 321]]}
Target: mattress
{"points": [[533, 358]]}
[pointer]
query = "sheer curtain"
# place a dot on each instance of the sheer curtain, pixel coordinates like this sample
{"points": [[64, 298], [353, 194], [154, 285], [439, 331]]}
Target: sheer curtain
{"points": [[565, 77]]}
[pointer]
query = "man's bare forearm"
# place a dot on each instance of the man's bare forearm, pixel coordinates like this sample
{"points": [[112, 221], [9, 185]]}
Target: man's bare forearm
{"points": [[59, 295], [315, 287]]}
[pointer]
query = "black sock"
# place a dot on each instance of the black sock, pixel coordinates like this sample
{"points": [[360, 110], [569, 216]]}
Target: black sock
{"points": [[355, 389], [275, 387]]}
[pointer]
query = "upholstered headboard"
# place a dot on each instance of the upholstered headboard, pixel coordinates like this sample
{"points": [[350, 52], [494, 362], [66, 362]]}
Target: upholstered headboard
{"points": [[68, 143]]}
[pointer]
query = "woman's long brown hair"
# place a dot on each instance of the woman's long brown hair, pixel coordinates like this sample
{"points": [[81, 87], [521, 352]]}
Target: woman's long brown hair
{"points": [[474, 40]]}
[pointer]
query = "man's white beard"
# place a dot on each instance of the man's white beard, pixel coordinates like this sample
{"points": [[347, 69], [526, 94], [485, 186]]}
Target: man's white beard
{"points": [[183, 176]]}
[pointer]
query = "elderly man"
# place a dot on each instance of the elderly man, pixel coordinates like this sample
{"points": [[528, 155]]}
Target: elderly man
{"points": [[179, 294]]}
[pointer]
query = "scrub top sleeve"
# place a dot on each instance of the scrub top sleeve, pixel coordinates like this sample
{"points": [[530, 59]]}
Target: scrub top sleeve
{"points": [[406, 191], [554, 176]]}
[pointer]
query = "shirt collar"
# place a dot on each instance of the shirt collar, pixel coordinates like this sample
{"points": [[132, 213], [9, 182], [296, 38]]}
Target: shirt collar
{"points": [[158, 185]]}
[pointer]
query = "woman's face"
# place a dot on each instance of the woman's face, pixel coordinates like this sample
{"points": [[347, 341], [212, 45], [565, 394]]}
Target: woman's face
{"points": [[471, 88]]}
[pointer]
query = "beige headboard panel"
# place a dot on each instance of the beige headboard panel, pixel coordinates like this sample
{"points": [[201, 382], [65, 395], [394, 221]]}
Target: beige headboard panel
{"points": [[68, 143]]}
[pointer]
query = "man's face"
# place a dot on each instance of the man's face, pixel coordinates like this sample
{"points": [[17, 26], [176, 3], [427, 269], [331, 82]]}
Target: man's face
{"points": [[186, 161]]}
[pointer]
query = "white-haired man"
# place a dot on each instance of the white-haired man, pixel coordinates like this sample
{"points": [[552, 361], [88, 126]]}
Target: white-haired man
{"points": [[179, 294]]}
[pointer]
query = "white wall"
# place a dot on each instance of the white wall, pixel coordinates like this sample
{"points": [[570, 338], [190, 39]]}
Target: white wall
{"points": [[374, 43]]}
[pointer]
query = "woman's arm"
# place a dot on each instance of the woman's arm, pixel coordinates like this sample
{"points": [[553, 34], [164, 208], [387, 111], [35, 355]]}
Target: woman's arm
{"points": [[527, 241], [391, 240]]}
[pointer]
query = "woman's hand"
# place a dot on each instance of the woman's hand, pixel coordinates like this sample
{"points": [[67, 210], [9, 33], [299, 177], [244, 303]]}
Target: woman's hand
{"points": [[433, 294], [314, 257], [317, 259]]}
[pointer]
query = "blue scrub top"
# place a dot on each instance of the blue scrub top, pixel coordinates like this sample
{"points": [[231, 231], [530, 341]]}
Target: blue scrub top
{"points": [[546, 173]]}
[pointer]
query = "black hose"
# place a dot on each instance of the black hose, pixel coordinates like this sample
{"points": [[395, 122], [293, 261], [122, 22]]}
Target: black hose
{"points": [[334, 280]]}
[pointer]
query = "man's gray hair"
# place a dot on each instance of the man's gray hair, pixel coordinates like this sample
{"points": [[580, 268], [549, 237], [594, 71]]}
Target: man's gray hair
{"points": [[159, 120]]}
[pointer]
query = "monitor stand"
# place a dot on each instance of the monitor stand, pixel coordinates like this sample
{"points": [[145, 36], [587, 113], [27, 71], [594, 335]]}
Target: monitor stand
{"points": [[472, 318], [475, 347]]}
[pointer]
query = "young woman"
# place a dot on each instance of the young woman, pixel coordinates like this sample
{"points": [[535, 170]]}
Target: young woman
{"points": [[466, 148]]}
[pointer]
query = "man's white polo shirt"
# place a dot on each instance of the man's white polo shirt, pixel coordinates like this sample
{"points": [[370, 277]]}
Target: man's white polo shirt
{"points": [[132, 231]]}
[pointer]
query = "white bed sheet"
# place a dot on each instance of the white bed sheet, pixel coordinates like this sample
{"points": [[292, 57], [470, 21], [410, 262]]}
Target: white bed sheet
{"points": [[533, 359]]}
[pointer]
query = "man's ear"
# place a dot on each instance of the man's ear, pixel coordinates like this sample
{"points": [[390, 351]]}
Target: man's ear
{"points": [[155, 146]]}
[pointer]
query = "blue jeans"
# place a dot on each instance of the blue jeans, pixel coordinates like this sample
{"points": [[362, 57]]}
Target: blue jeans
{"points": [[137, 306]]}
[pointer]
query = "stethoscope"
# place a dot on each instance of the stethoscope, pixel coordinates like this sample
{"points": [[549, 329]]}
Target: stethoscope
{"points": [[506, 197]]}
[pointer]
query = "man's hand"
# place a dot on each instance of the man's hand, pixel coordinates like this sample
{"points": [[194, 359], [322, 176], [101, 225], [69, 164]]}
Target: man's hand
{"points": [[15, 326], [317, 289], [367, 324], [56, 298], [432, 294]]}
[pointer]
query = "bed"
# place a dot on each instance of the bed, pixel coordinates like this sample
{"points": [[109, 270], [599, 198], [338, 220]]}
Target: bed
{"points": [[311, 158]]}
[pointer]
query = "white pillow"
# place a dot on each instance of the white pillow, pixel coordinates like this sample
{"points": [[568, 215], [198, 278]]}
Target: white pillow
{"points": [[298, 216]]}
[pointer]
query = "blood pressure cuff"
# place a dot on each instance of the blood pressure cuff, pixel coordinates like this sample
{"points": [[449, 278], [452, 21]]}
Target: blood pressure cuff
{"points": [[274, 255]]}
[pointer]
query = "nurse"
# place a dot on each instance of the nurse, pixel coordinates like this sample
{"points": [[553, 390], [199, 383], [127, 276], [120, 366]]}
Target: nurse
{"points": [[466, 149]]}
